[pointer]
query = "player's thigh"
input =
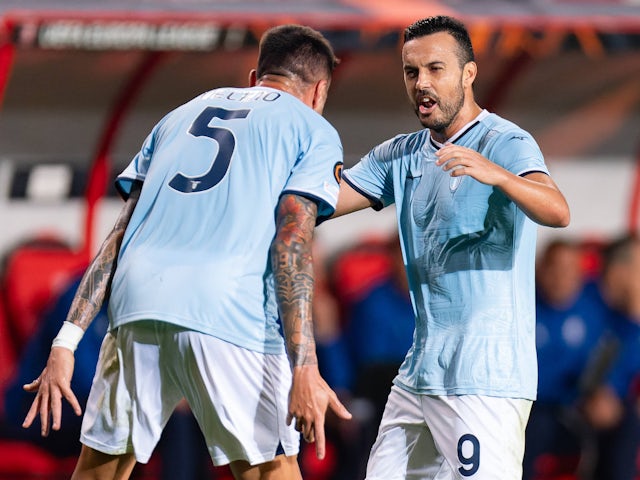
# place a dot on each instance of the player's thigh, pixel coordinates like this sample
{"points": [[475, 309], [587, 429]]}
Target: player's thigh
{"points": [[482, 438], [95, 465], [280, 468], [239, 397], [404, 447], [131, 398]]}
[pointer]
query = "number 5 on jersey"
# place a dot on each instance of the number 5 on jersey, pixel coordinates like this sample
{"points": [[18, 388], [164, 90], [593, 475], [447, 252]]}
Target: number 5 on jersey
{"points": [[220, 163]]}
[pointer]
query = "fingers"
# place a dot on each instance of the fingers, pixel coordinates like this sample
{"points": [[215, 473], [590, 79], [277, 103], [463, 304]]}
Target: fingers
{"points": [[44, 413], [48, 405], [33, 386], [452, 156], [453, 164], [307, 429], [56, 411], [320, 440], [31, 414], [313, 431], [339, 409], [73, 401]]}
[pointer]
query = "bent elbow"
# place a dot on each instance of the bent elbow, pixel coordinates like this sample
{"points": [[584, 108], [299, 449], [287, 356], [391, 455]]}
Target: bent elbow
{"points": [[562, 219]]}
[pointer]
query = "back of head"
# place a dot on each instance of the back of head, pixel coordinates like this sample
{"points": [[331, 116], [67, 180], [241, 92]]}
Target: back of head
{"points": [[619, 251], [443, 23], [297, 52], [621, 269], [559, 274]]}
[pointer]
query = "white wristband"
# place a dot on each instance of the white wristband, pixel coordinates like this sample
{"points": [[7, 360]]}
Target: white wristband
{"points": [[69, 336]]}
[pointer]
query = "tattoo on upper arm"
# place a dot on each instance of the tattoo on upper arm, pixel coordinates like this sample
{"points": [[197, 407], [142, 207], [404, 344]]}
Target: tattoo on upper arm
{"points": [[292, 261]]}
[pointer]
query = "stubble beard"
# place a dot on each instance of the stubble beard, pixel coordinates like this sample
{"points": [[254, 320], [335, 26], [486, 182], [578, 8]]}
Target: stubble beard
{"points": [[449, 111]]}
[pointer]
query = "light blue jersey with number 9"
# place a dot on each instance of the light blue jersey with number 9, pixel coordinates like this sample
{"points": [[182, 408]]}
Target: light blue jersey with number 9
{"points": [[469, 253], [196, 251]]}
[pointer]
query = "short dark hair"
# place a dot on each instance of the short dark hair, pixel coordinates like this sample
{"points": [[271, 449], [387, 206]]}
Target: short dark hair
{"points": [[443, 23], [296, 50]]}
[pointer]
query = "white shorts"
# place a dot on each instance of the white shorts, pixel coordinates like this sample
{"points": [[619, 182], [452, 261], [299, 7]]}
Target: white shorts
{"points": [[238, 396], [449, 437]]}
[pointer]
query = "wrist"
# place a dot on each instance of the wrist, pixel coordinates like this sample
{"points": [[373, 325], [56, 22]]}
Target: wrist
{"points": [[69, 336]]}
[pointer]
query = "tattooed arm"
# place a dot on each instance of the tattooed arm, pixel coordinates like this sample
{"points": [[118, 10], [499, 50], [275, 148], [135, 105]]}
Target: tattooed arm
{"points": [[96, 282], [54, 383], [292, 263]]}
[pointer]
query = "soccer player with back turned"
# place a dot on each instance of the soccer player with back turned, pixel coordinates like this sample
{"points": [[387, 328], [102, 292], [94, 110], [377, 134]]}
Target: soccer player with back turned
{"points": [[212, 247]]}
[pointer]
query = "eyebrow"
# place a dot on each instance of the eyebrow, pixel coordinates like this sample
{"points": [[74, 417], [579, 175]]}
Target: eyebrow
{"points": [[430, 64]]}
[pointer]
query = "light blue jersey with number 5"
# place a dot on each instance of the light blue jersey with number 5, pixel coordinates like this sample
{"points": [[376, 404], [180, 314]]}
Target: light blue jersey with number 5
{"points": [[195, 253]]}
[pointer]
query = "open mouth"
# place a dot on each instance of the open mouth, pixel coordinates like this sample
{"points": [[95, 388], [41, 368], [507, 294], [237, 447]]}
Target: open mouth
{"points": [[426, 105]]}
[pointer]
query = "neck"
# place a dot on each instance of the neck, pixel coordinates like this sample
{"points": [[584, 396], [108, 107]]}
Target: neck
{"points": [[467, 114], [281, 82]]}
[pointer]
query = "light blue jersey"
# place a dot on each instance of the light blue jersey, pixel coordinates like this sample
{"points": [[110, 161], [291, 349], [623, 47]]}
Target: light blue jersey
{"points": [[196, 251], [469, 253]]}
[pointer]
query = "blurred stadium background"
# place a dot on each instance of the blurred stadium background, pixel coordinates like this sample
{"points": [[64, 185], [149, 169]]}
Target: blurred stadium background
{"points": [[83, 81]]}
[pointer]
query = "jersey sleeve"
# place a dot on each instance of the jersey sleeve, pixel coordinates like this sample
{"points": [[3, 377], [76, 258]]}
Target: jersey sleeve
{"points": [[317, 171], [137, 170], [372, 176], [519, 153]]}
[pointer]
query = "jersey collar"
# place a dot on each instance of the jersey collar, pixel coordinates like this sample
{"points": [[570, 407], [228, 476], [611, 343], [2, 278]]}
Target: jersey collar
{"points": [[460, 133]]}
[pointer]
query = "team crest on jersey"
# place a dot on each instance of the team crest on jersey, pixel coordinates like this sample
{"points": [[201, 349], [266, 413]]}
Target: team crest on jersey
{"points": [[454, 183], [337, 171]]}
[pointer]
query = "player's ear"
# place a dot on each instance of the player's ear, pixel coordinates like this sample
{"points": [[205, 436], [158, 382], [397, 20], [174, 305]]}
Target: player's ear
{"points": [[469, 73], [253, 78], [320, 93]]}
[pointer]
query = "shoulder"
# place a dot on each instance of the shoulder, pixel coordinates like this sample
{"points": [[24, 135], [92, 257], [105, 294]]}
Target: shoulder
{"points": [[401, 145], [504, 130], [296, 112], [509, 145]]}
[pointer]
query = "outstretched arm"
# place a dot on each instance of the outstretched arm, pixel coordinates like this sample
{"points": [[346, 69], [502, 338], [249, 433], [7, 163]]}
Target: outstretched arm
{"points": [[536, 194], [350, 200], [292, 262], [54, 383]]}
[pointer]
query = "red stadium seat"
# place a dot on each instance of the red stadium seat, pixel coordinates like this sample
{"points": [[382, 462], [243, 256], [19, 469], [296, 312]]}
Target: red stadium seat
{"points": [[556, 467], [7, 352], [359, 269], [24, 460], [34, 273], [314, 469]]}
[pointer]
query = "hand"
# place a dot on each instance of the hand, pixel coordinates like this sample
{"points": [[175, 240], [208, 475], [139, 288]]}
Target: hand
{"points": [[465, 161], [309, 399], [50, 387]]}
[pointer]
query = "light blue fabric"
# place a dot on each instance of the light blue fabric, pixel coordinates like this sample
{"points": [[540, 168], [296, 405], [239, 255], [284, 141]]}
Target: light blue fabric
{"points": [[470, 256], [195, 253]]}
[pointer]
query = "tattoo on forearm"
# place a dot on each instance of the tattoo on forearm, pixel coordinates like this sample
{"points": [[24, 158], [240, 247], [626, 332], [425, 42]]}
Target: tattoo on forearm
{"points": [[292, 261], [96, 281], [93, 287]]}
